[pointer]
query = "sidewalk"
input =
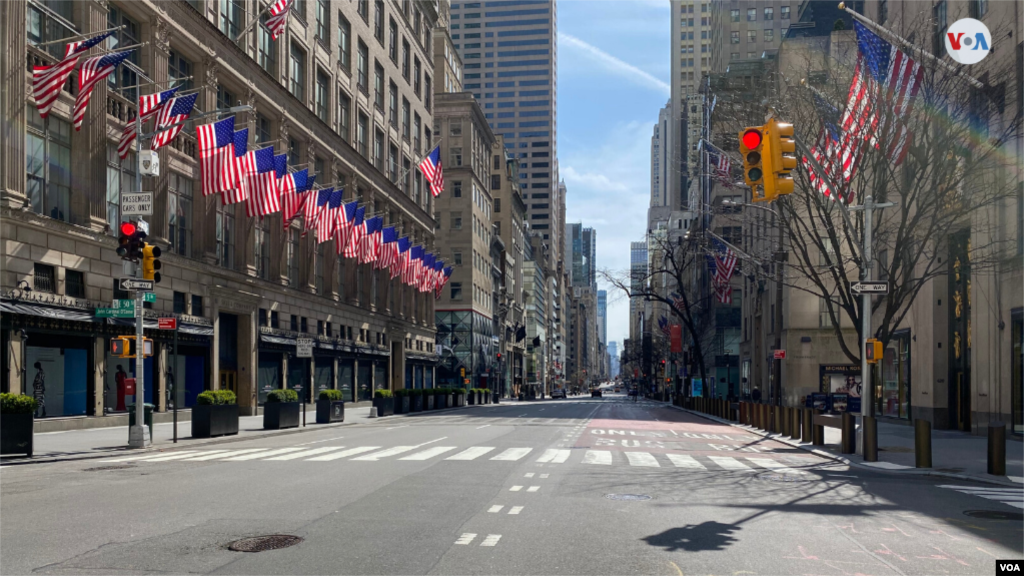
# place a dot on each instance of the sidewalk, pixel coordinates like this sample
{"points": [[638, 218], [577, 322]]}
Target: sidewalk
{"points": [[101, 442], [954, 454]]}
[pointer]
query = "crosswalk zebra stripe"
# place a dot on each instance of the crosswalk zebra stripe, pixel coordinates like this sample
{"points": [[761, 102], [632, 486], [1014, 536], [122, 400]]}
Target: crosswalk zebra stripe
{"points": [[491, 540], [429, 453], [729, 463], [533, 488], [261, 455], [205, 457], [597, 457], [305, 453], [515, 510], [554, 456], [495, 509], [181, 455], [465, 538], [774, 466], [1009, 496], [144, 457], [471, 453], [512, 454], [344, 454], [386, 453], [642, 459], [684, 461]]}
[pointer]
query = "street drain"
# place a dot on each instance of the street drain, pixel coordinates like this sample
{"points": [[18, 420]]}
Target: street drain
{"points": [[105, 468], [994, 515], [775, 477], [264, 543], [628, 497]]}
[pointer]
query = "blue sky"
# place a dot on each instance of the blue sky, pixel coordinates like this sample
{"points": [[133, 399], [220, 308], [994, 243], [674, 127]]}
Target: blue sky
{"points": [[613, 72]]}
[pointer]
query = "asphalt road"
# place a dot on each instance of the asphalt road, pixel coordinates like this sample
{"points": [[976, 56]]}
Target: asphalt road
{"points": [[519, 488]]}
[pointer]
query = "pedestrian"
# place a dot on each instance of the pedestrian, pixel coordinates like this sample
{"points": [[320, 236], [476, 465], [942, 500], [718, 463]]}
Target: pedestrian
{"points": [[119, 378], [756, 395]]}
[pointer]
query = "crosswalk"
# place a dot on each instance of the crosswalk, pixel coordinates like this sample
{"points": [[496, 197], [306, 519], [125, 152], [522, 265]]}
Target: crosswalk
{"points": [[1009, 496], [636, 459]]}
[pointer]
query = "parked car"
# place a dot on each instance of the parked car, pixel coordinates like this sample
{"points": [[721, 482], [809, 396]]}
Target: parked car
{"points": [[558, 393], [595, 393]]}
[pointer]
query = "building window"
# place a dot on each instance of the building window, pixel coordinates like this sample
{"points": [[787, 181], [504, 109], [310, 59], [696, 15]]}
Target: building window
{"points": [[362, 67], [393, 40], [292, 258], [734, 15], [179, 71], [406, 128], [393, 163], [181, 304], [751, 14], [769, 35], [362, 138], [734, 37], [323, 84], [416, 76], [261, 249], [344, 116], [42, 27], [457, 258], [405, 60], [275, 319], [751, 35], [784, 12], [179, 214], [44, 279], [393, 104], [231, 18], [123, 80], [226, 237], [344, 44], [456, 220], [48, 167], [497, 204], [895, 398], [318, 269], [456, 188], [378, 21], [769, 13], [416, 133], [74, 284], [363, 8], [378, 86], [378, 150], [323, 21], [455, 156], [824, 320], [407, 169], [298, 73], [294, 323], [495, 182], [456, 290], [120, 178], [426, 91], [225, 99]]}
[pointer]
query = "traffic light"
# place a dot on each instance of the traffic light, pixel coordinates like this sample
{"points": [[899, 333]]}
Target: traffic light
{"points": [[150, 262], [874, 350], [751, 140], [779, 158], [130, 242], [499, 356], [121, 346]]}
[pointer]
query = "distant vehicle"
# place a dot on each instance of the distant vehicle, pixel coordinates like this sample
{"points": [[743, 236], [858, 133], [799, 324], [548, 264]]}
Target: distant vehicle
{"points": [[632, 392], [558, 393], [595, 393]]}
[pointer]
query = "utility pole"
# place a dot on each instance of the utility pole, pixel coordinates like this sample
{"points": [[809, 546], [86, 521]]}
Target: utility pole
{"points": [[137, 433]]}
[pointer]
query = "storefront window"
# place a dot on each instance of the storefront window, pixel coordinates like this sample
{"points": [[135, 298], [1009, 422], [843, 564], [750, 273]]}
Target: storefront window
{"points": [[346, 371], [380, 376], [57, 379], [323, 376], [894, 399], [365, 373], [298, 377], [269, 374]]}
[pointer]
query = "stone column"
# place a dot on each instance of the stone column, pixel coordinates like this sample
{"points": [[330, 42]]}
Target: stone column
{"points": [[155, 58], [398, 363], [247, 382], [334, 384], [161, 360], [88, 198], [17, 104], [284, 370], [215, 346], [205, 214], [15, 357], [99, 374]]}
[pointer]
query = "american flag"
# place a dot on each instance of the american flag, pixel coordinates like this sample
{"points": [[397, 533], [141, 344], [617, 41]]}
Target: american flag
{"points": [[725, 261], [446, 275], [263, 198], [377, 241], [389, 248], [149, 105], [426, 272], [398, 269], [895, 79], [677, 301], [329, 216], [720, 162], [368, 243], [244, 164], [431, 168], [317, 216], [343, 228], [289, 186], [93, 71], [664, 327], [356, 229], [47, 81], [723, 293], [311, 210], [176, 110], [278, 18], [410, 273], [217, 155]]}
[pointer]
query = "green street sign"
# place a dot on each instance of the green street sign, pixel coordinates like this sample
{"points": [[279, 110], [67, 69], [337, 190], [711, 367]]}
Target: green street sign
{"points": [[124, 304], [149, 297], [114, 313]]}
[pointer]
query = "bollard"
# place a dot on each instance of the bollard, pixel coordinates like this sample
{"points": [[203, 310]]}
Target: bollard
{"points": [[794, 425], [922, 443], [784, 417], [765, 412], [849, 428], [870, 439], [818, 432], [808, 416], [997, 448], [776, 419], [759, 416], [373, 411]]}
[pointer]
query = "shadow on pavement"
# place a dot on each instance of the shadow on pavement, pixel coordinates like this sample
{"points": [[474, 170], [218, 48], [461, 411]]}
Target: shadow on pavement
{"points": [[695, 537]]}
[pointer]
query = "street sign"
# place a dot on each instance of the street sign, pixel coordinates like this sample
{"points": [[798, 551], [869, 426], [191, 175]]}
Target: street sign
{"points": [[304, 347], [114, 313], [167, 323], [870, 288], [149, 297], [129, 284], [136, 203], [124, 304], [780, 354]]}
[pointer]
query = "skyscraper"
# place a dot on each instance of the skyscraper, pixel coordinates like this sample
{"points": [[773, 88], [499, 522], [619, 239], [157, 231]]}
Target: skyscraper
{"points": [[638, 281], [691, 59], [510, 56], [661, 143], [602, 316], [590, 257]]}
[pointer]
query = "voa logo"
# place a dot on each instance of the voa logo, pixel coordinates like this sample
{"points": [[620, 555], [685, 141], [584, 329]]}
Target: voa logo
{"points": [[968, 41]]}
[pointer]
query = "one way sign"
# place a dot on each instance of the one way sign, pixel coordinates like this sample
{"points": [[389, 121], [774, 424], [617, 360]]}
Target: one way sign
{"points": [[870, 288], [129, 284]]}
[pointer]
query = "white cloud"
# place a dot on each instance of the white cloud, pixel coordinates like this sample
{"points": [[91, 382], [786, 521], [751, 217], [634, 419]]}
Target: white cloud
{"points": [[615, 65]]}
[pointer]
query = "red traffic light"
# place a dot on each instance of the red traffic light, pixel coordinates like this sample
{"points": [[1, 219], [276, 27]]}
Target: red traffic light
{"points": [[127, 228], [751, 139]]}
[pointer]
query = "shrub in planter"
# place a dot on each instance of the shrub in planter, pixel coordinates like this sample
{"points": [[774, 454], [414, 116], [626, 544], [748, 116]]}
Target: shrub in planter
{"points": [[384, 401], [330, 407], [402, 401], [281, 410], [416, 400], [215, 414], [429, 399], [16, 415]]}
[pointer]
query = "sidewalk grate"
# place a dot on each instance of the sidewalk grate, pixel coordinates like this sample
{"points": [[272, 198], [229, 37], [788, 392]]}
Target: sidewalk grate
{"points": [[628, 497], [264, 543]]}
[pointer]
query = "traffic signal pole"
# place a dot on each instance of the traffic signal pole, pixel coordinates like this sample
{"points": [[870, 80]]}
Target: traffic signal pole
{"points": [[137, 433]]}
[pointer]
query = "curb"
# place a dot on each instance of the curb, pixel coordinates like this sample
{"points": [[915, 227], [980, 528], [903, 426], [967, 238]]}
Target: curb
{"points": [[847, 461]]}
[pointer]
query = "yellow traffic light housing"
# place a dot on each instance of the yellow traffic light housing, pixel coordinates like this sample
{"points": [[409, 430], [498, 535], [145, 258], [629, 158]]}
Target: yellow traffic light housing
{"points": [[121, 346], [873, 349], [779, 158], [150, 262], [751, 148]]}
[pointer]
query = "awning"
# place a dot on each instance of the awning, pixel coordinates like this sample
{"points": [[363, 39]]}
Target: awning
{"points": [[47, 312], [271, 339], [151, 324]]}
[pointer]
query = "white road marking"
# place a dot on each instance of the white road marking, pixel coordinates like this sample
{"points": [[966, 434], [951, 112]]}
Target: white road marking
{"points": [[143, 457], [642, 459], [1009, 496], [396, 427], [774, 465], [471, 453], [385, 453], [343, 454], [528, 475], [544, 475], [484, 426], [181, 455], [245, 457], [319, 441], [512, 454], [429, 453], [554, 456], [516, 509], [533, 488], [515, 489], [684, 461], [597, 457], [495, 509], [491, 540], [729, 463], [465, 538], [223, 455], [305, 453]]}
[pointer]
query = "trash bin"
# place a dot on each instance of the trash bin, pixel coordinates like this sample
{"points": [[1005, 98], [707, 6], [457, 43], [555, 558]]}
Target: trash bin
{"points": [[149, 418]]}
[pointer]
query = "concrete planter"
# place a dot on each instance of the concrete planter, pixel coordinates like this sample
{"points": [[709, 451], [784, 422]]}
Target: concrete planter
{"points": [[416, 405], [328, 411], [384, 406], [278, 415], [429, 402], [402, 405], [16, 434], [485, 397], [209, 420], [440, 401]]}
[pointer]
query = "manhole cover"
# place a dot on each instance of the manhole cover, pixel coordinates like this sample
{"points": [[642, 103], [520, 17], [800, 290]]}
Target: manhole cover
{"points": [[631, 497], [995, 515], [104, 468], [775, 477], [263, 543]]}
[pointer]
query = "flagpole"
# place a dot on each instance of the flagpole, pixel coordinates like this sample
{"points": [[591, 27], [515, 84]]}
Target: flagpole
{"points": [[234, 110], [244, 31], [77, 36], [913, 48], [417, 162]]}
